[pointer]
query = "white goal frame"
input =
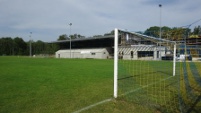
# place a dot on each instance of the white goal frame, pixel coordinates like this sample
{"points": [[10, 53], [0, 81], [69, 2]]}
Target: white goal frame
{"points": [[116, 37]]}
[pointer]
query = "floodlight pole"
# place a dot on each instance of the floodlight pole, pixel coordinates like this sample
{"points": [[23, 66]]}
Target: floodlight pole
{"points": [[174, 59], [30, 46], [160, 28], [160, 20], [70, 38]]}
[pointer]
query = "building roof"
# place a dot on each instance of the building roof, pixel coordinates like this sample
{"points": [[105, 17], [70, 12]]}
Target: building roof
{"points": [[83, 50], [84, 39]]}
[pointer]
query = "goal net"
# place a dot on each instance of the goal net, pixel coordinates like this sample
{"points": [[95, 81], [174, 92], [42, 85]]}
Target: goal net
{"points": [[190, 78], [145, 72]]}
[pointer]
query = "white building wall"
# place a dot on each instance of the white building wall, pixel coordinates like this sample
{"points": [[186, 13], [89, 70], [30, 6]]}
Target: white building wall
{"points": [[83, 53], [127, 52]]}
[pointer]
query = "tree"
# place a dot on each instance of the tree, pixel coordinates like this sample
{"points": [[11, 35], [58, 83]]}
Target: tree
{"points": [[38, 47], [197, 30], [6, 46], [51, 48], [63, 37], [155, 31], [19, 46]]}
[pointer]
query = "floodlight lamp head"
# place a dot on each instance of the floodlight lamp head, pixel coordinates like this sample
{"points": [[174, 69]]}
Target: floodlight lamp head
{"points": [[160, 5]]}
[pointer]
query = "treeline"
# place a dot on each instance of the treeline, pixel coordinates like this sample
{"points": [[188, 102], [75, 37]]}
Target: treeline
{"points": [[17, 46], [175, 34]]}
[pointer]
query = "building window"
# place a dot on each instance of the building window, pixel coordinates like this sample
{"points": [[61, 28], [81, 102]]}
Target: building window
{"points": [[93, 53], [131, 54], [145, 54]]}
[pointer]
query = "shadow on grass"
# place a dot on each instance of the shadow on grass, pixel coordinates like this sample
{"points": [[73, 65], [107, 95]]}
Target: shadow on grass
{"points": [[131, 76], [194, 107]]}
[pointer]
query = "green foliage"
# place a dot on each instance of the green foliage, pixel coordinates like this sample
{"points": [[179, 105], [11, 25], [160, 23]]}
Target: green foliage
{"points": [[197, 30], [18, 46], [153, 31], [168, 33], [6, 46], [63, 37], [9, 46]]}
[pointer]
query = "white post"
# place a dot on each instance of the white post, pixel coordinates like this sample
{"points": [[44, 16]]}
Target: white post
{"points": [[174, 59], [115, 62]]}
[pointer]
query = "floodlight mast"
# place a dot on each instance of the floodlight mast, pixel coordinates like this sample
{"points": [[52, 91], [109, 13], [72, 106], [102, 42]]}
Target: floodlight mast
{"points": [[70, 38], [30, 46], [174, 58], [160, 28], [160, 19]]}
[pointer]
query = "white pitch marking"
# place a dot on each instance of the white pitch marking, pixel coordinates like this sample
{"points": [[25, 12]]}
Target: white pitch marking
{"points": [[93, 105]]}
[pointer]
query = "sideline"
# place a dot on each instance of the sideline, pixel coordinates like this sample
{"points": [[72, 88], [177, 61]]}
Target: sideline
{"points": [[96, 104]]}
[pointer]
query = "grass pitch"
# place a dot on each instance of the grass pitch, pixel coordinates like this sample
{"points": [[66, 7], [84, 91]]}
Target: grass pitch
{"points": [[48, 85], [35, 85]]}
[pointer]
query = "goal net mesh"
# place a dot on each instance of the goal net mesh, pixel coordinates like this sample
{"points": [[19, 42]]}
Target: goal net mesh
{"points": [[148, 84], [149, 77], [190, 79]]}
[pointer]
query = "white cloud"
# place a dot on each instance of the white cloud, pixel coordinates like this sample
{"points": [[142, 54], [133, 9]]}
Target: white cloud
{"points": [[48, 19]]}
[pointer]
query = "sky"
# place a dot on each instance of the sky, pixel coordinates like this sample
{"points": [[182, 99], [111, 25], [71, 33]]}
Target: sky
{"points": [[48, 19]]}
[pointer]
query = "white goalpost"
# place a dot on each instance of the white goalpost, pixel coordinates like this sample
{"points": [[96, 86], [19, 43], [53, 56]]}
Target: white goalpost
{"points": [[115, 63], [141, 75]]}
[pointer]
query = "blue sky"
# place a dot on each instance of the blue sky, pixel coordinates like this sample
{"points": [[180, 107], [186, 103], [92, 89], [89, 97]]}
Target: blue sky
{"points": [[47, 19]]}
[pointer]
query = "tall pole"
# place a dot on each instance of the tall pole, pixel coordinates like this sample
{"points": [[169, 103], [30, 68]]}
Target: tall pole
{"points": [[30, 46], [160, 29], [174, 58], [160, 20], [70, 38]]}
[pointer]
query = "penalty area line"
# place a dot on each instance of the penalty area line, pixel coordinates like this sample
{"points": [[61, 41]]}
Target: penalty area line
{"points": [[93, 105]]}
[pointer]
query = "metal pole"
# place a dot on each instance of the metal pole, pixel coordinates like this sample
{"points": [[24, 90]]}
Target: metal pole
{"points": [[160, 20], [160, 30], [174, 59], [70, 38], [30, 46]]}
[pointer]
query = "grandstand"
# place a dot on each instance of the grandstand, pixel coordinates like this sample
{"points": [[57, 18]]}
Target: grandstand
{"points": [[133, 46]]}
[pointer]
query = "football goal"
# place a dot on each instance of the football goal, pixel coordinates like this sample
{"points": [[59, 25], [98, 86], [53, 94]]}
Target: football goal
{"points": [[144, 71]]}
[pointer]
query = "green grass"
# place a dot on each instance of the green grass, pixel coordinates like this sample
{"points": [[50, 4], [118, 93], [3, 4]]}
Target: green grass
{"points": [[48, 85], [34, 85]]}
